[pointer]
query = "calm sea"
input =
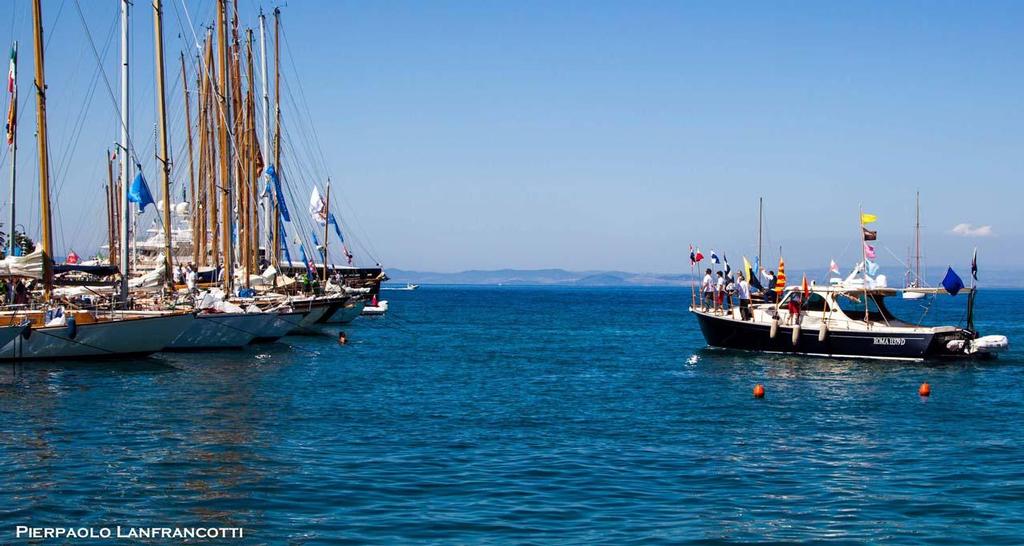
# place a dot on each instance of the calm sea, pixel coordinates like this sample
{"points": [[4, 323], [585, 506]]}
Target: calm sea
{"points": [[524, 415]]}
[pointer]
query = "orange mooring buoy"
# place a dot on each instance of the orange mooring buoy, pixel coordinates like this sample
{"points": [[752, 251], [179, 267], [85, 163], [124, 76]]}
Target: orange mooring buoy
{"points": [[759, 391], [924, 390]]}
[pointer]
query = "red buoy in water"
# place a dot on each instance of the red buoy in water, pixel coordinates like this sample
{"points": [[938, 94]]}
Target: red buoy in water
{"points": [[759, 391], [924, 390]]}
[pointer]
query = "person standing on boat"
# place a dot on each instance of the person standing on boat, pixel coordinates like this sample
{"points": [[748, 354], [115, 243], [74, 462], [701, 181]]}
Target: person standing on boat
{"points": [[719, 291], [769, 286], [794, 308], [20, 294], [707, 289], [743, 293], [730, 290], [190, 278]]}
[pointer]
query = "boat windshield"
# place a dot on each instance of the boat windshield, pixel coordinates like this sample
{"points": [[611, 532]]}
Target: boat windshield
{"points": [[813, 302], [853, 304]]}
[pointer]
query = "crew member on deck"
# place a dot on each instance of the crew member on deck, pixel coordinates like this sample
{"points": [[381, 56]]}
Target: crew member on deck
{"points": [[769, 286], [743, 292], [707, 288], [793, 306], [719, 291], [190, 278]]}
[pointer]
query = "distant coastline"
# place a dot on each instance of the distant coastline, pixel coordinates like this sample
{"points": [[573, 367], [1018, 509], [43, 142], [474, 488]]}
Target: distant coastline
{"points": [[563, 277]]}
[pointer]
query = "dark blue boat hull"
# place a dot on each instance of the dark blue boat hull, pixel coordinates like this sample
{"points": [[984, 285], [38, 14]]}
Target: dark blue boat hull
{"points": [[732, 334]]}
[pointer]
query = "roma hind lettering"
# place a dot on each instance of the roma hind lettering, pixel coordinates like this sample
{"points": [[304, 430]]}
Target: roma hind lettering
{"points": [[890, 341]]}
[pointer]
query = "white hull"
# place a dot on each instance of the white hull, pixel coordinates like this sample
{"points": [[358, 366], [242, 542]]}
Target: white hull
{"points": [[283, 323], [913, 295], [376, 310], [132, 336], [348, 313], [221, 331]]}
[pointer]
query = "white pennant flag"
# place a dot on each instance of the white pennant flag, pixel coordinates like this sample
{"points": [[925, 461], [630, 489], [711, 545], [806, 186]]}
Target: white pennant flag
{"points": [[317, 207]]}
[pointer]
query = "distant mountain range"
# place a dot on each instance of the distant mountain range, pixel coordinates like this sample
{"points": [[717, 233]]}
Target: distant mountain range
{"points": [[562, 277]]}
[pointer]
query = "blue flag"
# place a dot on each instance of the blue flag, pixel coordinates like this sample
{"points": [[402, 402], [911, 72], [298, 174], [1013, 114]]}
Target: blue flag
{"points": [[872, 268], [138, 193], [305, 260], [282, 207], [952, 283], [284, 246], [337, 229]]}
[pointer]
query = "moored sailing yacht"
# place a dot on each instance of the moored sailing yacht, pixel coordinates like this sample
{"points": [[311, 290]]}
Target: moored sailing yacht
{"points": [[58, 333]]}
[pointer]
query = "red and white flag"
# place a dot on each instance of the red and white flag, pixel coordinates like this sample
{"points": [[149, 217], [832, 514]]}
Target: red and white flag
{"points": [[72, 258], [833, 267]]}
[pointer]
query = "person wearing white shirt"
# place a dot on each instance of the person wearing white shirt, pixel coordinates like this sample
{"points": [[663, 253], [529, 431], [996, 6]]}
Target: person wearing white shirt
{"points": [[707, 290], [719, 291], [743, 292], [190, 278]]}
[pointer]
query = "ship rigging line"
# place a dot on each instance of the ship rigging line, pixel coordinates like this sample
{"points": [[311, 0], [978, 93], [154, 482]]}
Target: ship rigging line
{"points": [[106, 83], [316, 140]]}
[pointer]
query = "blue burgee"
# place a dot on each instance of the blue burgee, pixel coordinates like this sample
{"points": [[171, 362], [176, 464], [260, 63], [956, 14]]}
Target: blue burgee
{"points": [[138, 192], [952, 282], [337, 229], [282, 207]]}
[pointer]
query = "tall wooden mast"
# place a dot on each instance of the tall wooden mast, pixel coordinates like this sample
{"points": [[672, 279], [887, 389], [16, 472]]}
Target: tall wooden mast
{"points": [[212, 195], [327, 225], [111, 212], [44, 158], [163, 159], [224, 121], [252, 151], [193, 205]]}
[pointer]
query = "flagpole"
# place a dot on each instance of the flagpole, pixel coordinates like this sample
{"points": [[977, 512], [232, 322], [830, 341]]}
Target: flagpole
{"points": [[864, 262], [14, 141], [693, 297], [760, 225], [327, 225]]}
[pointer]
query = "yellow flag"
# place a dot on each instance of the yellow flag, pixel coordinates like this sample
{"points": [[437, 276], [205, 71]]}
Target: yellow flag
{"points": [[866, 218], [747, 270]]}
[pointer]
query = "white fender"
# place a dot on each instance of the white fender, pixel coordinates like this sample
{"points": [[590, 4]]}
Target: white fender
{"points": [[774, 329], [796, 334], [823, 333]]}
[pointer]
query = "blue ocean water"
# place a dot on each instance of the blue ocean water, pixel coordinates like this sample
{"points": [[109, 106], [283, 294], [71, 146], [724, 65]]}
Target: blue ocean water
{"points": [[525, 415]]}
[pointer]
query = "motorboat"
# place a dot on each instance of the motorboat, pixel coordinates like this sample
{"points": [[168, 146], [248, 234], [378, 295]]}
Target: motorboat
{"points": [[376, 308], [408, 286], [842, 322]]}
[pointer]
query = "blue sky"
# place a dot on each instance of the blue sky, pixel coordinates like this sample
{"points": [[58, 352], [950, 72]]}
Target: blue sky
{"points": [[611, 135]]}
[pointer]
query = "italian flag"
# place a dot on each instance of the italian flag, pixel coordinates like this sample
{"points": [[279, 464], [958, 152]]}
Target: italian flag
{"points": [[12, 88]]}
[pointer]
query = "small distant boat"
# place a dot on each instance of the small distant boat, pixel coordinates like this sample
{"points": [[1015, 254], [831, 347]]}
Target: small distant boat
{"points": [[913, 280], [408, 286], [376, 308]]}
